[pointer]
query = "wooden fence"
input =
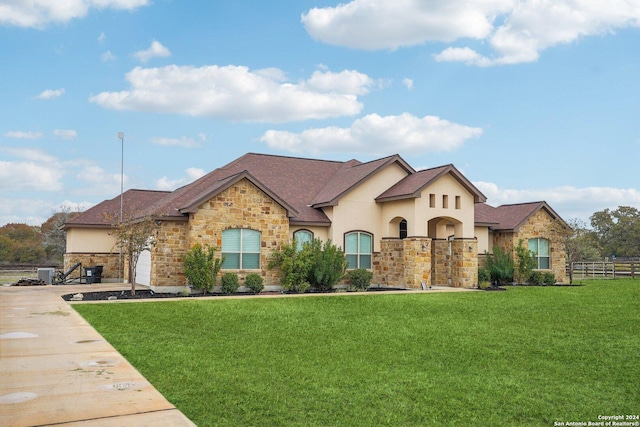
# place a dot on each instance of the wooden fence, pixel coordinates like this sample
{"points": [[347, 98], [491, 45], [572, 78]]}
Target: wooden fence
{"points": [[605, 270]]}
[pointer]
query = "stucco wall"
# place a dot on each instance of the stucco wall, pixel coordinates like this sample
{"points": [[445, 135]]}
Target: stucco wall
{"points": [[92, 240], [358, 210]]}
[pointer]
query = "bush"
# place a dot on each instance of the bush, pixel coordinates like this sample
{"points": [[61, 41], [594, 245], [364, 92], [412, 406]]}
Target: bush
{"points": [[536, 278], [359, 279], [317, 265], [525, 263], [254, 281], [328, 266], [500, 266], [230, 283], [201, 267], [484, 275], [549, 279]]}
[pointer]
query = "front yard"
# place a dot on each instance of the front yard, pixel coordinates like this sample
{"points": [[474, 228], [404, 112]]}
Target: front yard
{"points": [[528, 356]]}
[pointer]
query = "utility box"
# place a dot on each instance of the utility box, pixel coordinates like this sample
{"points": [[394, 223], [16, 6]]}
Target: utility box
{"points": [[46, 275]]}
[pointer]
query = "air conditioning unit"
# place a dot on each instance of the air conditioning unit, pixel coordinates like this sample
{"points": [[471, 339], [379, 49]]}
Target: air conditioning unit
{"points": [[46, 275]]}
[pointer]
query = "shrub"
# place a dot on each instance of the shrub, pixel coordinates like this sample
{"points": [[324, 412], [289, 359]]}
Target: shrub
{"points": [[525, 263], [328, 266], [230, 283], [500, 266], [201, 267], [536, 278], [317, 265], [359, 279], [254, 281], [549, 279], [294, 265], [484, 275]]}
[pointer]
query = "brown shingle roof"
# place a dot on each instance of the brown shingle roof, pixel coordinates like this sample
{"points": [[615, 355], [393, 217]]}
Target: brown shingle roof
{"points": [[510, 217], [351, 174], [412, 185], [107, 212]]}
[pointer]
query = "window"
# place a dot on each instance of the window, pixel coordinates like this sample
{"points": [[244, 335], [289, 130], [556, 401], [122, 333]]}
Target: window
{"points": [[301, 237], [540, 248], [445, 202], [402, 229], [358, 250], [432, 200], [458, 202], [241, 249]]}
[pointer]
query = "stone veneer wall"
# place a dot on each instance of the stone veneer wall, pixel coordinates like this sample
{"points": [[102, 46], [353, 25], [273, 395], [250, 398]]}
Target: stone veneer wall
{"points": [[464, 263], [387, 265], [402, 262], [441, 267], [108, 261], [167, 270], [539, 225], [417, 262], [243, 205]]}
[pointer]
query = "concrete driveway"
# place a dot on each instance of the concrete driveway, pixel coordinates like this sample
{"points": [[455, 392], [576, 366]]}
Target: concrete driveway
{"points": [[57, 370]]}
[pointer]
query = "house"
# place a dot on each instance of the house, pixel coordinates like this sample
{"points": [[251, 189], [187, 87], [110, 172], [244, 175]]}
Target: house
{"points": [[408, 227]]}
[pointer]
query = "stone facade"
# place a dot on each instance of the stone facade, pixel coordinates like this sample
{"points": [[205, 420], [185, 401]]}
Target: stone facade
{"points": [[167, 270], [108, 261], [441, 266], [539, 225], [464, 263], [242, 205]]}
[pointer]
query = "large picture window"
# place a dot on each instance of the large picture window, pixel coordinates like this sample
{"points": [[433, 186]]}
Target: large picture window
{"points": [[358, 250], [301, 237], [540, 248], [241, 249]]}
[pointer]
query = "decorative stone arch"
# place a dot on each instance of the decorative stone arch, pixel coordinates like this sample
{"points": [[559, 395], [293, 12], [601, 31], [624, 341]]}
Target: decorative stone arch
{"points": [[443, 227]]}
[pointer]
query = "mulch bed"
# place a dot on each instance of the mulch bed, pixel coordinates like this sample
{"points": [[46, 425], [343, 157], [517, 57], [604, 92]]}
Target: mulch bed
{"points": [[147, 294]]}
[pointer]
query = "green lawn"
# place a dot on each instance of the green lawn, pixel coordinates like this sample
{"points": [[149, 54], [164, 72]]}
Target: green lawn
{"points": [[525, 357]]}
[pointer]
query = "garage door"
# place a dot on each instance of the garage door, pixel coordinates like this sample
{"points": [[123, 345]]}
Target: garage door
{"points": [[143, 269]]}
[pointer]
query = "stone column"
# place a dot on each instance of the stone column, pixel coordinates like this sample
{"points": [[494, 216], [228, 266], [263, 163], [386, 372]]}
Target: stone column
{"points": [[417, 261], [440, 264], [464, 263]]}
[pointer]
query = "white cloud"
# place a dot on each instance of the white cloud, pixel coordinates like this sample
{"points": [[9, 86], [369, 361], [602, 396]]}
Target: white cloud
{"points": [[236, 93], [99, 181], [567, 201], [156, 50], [65, 133], [39, 13], [18, 134], [33, 170], [165, 183], [107, 56], [50, 94], [374, 134], [408, 83], [515, 31], [175, 142], [102, 37]]}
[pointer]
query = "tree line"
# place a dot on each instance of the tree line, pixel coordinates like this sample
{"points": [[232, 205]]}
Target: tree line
{"points": [[35, 245], [611, 234]]}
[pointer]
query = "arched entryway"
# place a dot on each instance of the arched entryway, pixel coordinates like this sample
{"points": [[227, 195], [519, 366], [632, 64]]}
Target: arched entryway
{"points": [[443, 231]]}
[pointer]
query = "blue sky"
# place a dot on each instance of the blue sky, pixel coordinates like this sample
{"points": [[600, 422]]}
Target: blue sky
{"points": [[531, 99]]}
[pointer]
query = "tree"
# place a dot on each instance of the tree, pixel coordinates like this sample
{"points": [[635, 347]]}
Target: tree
{"points": [[579, 243], [618, 231], [20, 243], [54, 238], [133, 237]]}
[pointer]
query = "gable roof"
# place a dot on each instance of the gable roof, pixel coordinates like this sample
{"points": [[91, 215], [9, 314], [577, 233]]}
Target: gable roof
{"points": [[105, 213], [412, 185], [292, 182], [350, 175], [510, 217]]}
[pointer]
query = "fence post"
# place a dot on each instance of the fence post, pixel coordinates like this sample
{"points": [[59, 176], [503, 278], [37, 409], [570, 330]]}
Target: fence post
{"points": [[633, 270]]}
